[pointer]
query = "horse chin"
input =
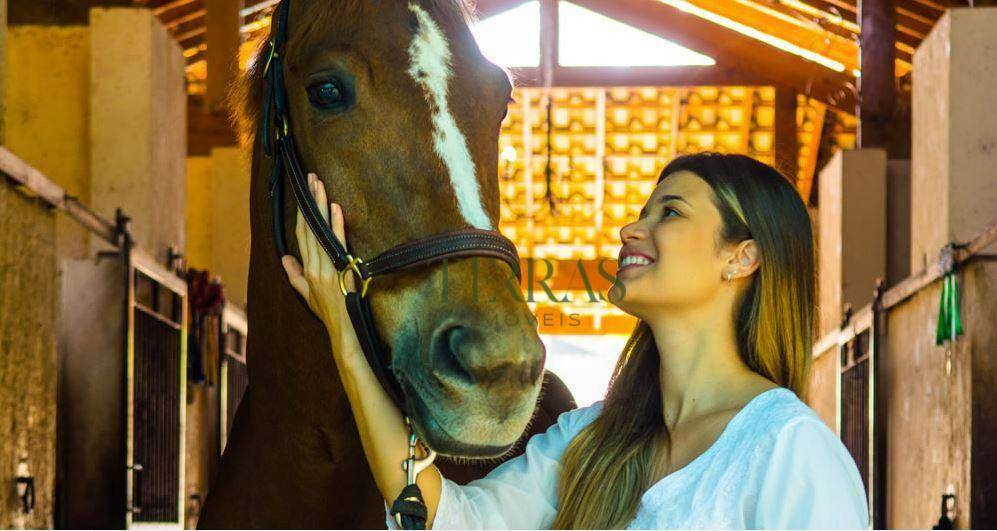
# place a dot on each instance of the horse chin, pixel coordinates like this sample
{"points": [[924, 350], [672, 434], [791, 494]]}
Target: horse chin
{"points": [[436, 435]]}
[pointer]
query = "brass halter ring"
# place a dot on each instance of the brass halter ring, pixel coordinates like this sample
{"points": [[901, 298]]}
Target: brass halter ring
{"points": [[353, 267]]}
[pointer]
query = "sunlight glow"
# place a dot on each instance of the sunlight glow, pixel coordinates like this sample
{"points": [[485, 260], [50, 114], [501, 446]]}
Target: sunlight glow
{"points": [[584, 363], [511, 38], [587, 38]]}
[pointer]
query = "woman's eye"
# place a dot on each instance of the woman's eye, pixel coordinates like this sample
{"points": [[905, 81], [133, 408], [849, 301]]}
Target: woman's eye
{"points": [[326, 94], [669, 212]]}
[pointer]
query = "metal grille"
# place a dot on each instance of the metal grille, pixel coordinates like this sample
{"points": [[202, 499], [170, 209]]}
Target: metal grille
{"points": [[237, 375], [855, 403], [157, 405]]}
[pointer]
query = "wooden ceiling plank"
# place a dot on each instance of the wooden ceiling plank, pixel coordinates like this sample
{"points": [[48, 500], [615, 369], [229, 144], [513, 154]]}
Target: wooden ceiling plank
{"points": [[914, 16], [780, 67], [186, 36], [189, 17], [930, 11], [170, 6]]}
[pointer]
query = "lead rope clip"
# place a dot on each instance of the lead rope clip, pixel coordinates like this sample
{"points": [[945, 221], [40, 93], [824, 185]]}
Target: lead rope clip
{"points": [[413, 467]]}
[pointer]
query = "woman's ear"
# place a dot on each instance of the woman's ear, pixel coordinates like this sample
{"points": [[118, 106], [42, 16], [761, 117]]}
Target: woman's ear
{"points": [[744, 261]]}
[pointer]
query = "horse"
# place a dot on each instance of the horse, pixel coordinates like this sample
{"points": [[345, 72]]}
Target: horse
{"points": [[398, 112]]}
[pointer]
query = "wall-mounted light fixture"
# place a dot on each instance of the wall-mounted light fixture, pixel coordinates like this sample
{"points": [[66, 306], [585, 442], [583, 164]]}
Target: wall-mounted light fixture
{"points": [[25, 487]]}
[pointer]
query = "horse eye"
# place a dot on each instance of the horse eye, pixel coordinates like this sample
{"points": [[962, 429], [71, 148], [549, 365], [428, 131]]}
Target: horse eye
{"points": [[326, 94]]}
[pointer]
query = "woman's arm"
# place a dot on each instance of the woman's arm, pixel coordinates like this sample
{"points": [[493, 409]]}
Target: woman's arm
{"points": [[519, 494], [383, 432]]}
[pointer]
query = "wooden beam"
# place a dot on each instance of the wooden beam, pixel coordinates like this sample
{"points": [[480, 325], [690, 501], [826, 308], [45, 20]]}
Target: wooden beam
{"points": [[171, 5], [727, 46], [772, 21], [787, 150], [548, 41], [224, 22], [488, 8], [877, 86], [638, 76], [206, 130], [183, 19]]}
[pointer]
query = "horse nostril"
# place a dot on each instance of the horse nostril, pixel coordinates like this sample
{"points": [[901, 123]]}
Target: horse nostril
{"points": [[448, 348]]}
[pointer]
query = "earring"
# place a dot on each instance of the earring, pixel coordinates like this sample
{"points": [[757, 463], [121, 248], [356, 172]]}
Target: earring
{"points": [[728, 276]]}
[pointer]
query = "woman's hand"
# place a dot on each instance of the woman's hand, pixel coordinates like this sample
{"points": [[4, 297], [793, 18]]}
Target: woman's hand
{"points": [[382, 429], [317, 280]]}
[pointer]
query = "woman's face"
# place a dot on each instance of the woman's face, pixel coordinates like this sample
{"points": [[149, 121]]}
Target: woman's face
{"points": [[672, 255]]}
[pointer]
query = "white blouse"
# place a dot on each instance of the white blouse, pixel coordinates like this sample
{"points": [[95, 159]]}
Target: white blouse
{"points": [[775, 465]]}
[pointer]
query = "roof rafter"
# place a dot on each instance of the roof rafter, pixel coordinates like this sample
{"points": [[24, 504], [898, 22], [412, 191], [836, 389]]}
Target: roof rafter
{"points": [[729, 47]]}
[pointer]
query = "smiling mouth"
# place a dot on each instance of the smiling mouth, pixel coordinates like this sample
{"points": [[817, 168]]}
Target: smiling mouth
{"points": [[631, 262]]}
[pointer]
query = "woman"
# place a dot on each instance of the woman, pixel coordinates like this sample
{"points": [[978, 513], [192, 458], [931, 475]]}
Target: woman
{"points": [[701, 425]]}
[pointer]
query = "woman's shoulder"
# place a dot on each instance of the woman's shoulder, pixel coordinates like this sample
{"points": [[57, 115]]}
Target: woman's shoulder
{"points": [[778, 411], [798, 455], [573, 421]]}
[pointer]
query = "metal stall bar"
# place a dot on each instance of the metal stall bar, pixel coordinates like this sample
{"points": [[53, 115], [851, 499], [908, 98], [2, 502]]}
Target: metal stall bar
{"points": [[156, 385], [234, 378]]}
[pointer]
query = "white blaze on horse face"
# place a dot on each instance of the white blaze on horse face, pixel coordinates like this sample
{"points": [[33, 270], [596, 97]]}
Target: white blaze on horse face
{"points": [[430, 67]]}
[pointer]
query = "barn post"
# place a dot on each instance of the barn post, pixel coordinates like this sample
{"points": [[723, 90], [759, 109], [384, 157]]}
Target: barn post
{"points": [[224, 37], [786, 141], [877, 93]]}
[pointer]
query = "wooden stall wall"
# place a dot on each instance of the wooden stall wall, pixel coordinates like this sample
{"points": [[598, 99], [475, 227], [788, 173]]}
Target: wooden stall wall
{"points": [[27, 355], [941, 405]]}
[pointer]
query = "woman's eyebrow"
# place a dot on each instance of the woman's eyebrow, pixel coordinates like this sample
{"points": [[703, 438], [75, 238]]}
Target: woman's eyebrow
{"points": [[666, 198]]}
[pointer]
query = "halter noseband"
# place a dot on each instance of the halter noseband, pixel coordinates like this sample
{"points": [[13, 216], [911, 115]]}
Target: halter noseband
{"points": [[278, 143]]}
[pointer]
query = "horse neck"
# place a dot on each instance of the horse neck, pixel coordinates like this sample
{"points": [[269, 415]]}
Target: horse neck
{"points": [[291, 370]]}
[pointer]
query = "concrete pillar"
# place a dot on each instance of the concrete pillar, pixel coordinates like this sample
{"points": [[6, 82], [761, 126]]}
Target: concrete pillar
{"points": [[230, 174], [51, 133], [138, 108], [198, 227], [3, 67], [954, 158], [224, 21], [852, 232], [898, 220]]}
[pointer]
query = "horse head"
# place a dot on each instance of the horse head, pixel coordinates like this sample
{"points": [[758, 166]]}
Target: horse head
{"points": [[396, 110]]}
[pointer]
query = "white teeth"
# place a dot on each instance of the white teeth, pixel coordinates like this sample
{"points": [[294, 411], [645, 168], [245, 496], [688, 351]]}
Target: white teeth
{"points": [[632, 260]]}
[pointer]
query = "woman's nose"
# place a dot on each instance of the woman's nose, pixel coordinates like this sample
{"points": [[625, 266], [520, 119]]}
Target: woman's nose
{"points": [[631, 231]]}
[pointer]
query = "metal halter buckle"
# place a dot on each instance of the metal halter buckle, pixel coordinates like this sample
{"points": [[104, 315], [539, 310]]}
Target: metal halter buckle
{"points": [[354, 267]]}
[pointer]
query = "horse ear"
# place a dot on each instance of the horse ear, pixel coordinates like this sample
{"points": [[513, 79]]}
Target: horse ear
{"points": [[245, 97]]}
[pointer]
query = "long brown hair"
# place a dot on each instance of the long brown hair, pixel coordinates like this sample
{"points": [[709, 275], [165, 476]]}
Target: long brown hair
{"points": [[609, 464]]}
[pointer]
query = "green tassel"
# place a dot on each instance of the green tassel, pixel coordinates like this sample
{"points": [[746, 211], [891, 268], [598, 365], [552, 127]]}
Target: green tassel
{"points": [[942, 332], [949, 321], [956, 327]]}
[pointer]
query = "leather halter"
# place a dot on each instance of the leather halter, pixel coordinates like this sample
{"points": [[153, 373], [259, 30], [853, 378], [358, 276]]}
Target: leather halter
{"points": [[278, 142]]}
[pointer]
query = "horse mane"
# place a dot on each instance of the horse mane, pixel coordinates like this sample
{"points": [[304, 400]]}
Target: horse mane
{"points": [[245, 100]]}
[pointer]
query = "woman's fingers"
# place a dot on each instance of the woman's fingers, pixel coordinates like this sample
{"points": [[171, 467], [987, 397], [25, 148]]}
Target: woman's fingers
{"points": [[296, 275], [300, 232], [337, 223], [321, 200], [339, 230], [312, 265]]}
